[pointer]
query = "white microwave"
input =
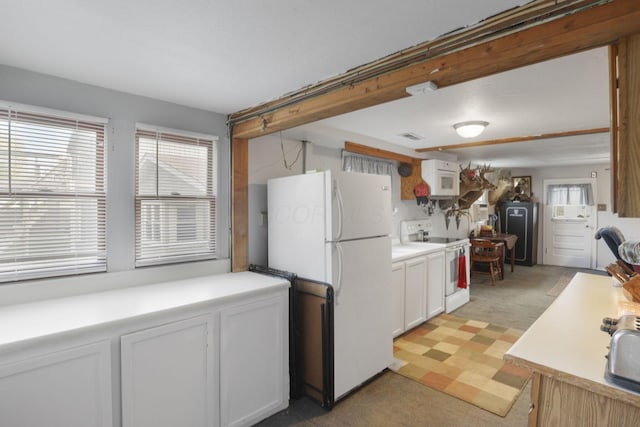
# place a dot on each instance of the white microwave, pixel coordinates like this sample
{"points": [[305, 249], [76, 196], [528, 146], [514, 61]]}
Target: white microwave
{"points": [[443, 177]]}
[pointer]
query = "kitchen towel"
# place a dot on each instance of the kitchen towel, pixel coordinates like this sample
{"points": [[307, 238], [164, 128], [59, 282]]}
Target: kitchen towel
{"points": [[462, 271]]}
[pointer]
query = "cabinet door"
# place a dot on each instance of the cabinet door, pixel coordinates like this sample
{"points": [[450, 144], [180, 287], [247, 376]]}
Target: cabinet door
{"points": [[435, 283], [397, 298], [69, 388], [254, 363], [415, 297], [168, 375]]}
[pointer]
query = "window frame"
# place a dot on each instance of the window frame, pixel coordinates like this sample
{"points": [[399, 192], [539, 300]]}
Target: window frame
{"points": [[211, 195], [51, 264]]}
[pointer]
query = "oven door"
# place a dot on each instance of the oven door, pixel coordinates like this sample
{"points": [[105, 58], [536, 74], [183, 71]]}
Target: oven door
{"points": [[451, 271]]}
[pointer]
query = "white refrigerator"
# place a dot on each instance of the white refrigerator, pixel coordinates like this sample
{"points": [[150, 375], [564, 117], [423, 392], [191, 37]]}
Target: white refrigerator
{"points": [[335, 227]]}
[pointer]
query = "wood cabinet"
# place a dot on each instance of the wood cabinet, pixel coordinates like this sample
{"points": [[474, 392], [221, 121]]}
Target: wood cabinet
{"points": [[168, 375], [253, 361], [435, 283], [65, 388], [417, 290]]}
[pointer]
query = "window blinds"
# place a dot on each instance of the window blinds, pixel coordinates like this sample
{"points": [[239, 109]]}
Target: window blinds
{"points": [[175, 197], [52, 195]]}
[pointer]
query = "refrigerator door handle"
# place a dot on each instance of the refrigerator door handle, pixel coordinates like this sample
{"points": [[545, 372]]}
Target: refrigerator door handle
{"points": [[338, 286], [339, 204]]}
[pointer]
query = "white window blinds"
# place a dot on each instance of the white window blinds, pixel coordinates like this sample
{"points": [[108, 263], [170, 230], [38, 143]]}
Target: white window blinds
{"points": [[52, 195], [175, 197]]}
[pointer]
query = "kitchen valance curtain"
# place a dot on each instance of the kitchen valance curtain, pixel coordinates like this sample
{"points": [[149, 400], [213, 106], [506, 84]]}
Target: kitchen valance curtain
{"points": [[570, 194], [362, 164]]}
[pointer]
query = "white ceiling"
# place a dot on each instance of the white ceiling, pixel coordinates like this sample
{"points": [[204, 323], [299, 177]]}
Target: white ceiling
{"points": [[220, 55], [565, 94], [227, 55]]}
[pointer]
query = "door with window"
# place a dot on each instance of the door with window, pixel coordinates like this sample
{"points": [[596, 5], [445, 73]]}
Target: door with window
{"points": [[569, 223]]}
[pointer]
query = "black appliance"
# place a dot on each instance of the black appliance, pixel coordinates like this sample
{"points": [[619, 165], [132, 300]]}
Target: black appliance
{"points": [[311, 370], [521, 219]]}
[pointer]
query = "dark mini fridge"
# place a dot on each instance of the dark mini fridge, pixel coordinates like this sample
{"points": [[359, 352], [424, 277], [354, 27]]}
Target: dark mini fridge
{"points": [[521, 219]]}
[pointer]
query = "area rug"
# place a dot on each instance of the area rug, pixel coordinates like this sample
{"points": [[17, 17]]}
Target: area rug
{"points": [[562, 283], [463, 358]]}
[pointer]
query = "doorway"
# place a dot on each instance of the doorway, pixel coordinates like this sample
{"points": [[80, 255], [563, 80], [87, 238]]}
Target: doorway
{"points": [[569, 222]]}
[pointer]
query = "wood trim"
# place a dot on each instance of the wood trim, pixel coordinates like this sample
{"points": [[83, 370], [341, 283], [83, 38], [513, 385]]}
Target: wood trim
{"points": [[593, 27], [239, 204], [535, 399], [629, 127], [376, 152], [515, 139], [613, 108]]}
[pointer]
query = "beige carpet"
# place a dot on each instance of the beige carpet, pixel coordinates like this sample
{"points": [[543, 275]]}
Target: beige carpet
{"points": [[562, 283], [463, 358]]}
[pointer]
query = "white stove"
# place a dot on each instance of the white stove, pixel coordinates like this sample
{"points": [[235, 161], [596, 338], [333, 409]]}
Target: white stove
{"points": [[455, 248]]}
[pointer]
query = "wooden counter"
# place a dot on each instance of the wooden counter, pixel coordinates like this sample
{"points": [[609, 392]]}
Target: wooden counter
{"points": [[566, 350]]}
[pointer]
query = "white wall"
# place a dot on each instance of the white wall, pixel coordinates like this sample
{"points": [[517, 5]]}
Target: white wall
{"points": [[123, 111], [630, 227]]}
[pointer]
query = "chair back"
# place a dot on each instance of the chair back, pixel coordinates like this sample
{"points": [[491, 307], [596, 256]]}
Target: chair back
{"points": [[483, 249], [613, 237]]}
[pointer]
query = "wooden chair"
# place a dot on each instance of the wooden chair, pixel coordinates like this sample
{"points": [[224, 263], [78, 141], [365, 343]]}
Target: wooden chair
{"points": [[488, 255]]}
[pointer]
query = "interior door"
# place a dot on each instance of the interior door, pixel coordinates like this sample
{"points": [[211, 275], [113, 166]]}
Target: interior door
{"points": [[569, 233]]}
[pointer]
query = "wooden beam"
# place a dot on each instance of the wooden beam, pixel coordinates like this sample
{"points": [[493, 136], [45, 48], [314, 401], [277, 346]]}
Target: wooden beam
{"points": [[593, 27], [491, 27], [514, 139], [629, 127], [376, 152], [239, 204], [614, 118]]}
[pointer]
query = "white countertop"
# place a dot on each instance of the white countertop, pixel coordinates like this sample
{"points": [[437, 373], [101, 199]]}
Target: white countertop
{"points": [[44, 318], [400, 252], [565, 342]]}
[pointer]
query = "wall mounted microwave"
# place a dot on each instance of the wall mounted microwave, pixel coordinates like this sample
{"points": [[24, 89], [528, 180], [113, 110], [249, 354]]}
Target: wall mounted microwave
{"points": [[443, 177]]}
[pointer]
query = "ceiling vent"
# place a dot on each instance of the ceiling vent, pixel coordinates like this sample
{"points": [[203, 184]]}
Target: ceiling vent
{"points": [[411, 136]]}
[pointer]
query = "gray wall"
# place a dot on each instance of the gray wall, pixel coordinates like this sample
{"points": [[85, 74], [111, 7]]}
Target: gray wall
{"points": [[123, 111]]}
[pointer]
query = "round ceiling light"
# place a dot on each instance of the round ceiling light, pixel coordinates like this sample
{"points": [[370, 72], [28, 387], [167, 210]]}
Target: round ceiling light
{"points": [[470, 129]]}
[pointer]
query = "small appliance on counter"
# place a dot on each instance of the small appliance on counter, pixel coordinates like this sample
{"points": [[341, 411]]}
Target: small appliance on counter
{"points": [[418, 231], [623, 367]]}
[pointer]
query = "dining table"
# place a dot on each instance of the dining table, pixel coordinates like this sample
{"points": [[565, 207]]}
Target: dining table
{"points": [[509, 241]]}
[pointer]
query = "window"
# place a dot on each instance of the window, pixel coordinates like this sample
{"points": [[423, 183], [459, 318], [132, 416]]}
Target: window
{"points": [[175, 196], [52, 194]]}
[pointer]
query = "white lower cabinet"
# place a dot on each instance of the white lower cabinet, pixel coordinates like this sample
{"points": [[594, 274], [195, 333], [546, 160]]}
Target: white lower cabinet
{"points": [[168, 375], [397, 298], [224, 364], [254, 380], [417, 290], [435, 283], [67, 388]]}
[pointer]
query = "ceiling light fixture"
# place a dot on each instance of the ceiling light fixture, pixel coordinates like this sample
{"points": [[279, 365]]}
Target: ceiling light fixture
{"points": [[470, 129]]}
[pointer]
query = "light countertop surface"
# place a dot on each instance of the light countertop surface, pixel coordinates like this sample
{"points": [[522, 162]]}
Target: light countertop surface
{"points": [[566, 342], [401, 252], [33, 320]]}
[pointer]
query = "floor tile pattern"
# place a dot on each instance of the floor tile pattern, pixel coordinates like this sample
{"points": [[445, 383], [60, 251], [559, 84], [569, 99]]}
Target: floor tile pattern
{"points": [[463, 358]]}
